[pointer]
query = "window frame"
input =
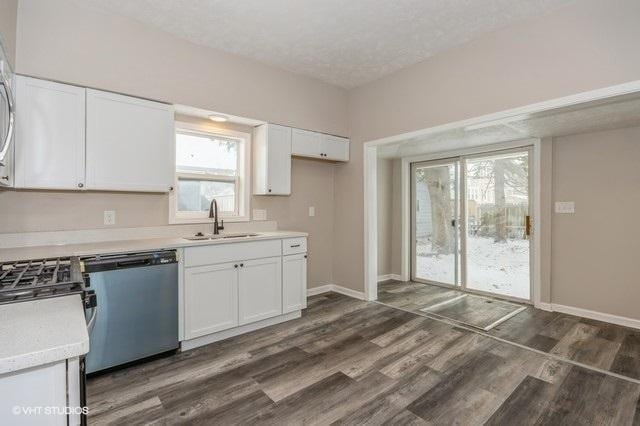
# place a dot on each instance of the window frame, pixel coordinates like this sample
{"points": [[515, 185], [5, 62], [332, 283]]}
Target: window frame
{"points": [[242, 180]]}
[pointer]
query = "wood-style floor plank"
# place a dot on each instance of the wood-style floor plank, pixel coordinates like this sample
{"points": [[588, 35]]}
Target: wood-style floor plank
{"points": [[351, 362], [595, 343]]}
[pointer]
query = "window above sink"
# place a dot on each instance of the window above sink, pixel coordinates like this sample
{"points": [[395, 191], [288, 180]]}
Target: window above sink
{"points": [[211, 162]]}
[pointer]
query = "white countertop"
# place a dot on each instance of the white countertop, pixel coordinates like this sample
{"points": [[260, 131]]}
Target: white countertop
{"points": [[124, 246], [41, 331], [47, 330]]}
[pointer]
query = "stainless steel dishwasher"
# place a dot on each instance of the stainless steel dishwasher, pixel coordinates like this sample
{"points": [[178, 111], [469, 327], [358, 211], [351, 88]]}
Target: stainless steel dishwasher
{"points": [[138, 312]]}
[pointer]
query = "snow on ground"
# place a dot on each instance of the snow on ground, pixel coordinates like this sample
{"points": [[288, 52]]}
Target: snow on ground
{"points": [[501, 268]]}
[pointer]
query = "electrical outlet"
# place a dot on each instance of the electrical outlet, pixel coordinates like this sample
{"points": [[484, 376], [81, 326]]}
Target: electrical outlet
{"points": [[312, 211], [259, 214], [565, 207], [109, 217]]}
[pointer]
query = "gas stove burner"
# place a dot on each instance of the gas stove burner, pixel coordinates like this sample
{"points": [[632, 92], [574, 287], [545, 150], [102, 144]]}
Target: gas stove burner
{"points": [[40, 278]]}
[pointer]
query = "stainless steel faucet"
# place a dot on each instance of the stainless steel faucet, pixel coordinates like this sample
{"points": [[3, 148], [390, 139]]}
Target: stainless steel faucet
{"points": [[213, 214]]}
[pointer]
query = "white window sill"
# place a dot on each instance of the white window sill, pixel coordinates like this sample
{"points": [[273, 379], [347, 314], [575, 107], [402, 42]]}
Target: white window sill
{"points": [[195, 220]]}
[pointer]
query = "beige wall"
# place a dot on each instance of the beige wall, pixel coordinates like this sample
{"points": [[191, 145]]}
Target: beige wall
{"points": [[595, 251], [384, 178], [63, 40], [389, 188], [8, 21], [588, 45]]}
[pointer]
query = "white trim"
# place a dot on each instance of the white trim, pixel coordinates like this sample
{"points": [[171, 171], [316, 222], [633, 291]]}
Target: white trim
{"points": [[600, 316], [576, 99], [443, 303], [236, 331], [504, 318], [336, 289], [535, 196], [243, 186], [319, 290], [545, 306], [405, 222], [388, 277], [370, 167]]}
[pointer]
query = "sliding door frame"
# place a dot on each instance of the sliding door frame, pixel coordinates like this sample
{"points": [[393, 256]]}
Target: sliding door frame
{"points": [[464, 218], [533, 147], [455, 161]]}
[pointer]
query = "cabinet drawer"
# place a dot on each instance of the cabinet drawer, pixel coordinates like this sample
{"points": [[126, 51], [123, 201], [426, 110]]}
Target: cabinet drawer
{"points": [[294, 245], [220, 253]]}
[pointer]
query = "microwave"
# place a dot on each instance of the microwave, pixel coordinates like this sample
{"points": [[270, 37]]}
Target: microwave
{"points": [[7, 120]]}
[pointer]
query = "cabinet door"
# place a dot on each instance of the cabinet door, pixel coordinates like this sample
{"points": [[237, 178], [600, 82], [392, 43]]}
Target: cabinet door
{"points": [[130, 143], [260, 287], [279, 160], [306, 143], [335, 148], [50, 135], [211, 299], [41, 386], [6, 169], [294, 282]]}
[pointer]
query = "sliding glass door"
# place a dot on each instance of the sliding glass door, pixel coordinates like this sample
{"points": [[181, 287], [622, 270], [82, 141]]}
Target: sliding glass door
{"points": [[471, 223], [435, 195], [497, 224]]}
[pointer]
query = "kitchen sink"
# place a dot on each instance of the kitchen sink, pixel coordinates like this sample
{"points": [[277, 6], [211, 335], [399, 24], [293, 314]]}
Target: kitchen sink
{"points": [[202, 237], [238, 235]]}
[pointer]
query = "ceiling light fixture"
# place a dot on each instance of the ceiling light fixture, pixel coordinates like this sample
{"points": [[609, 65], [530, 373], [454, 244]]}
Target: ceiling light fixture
{"points": [[218, 117]]}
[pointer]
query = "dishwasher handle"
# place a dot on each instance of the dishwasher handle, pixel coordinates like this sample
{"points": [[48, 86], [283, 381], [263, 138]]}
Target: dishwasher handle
{"points": [[131, 263]]}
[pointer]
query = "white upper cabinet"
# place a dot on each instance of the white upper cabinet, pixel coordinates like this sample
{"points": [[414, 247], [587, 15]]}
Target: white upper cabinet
{"points": [[130, 143], [318, 145], [272, 160], [50, 135], [306, 143], [335, 148]]}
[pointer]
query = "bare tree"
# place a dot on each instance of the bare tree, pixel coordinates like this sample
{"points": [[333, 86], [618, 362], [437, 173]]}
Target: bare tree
{"points": [[438, 184]]}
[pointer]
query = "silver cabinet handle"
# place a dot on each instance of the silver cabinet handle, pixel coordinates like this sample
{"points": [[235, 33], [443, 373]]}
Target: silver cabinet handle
{"points": [[5, 146]]}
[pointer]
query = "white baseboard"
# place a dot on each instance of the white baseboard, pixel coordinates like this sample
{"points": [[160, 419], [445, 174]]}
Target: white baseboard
{"points": [[600, 316], [389, 277], [544, 306], [336, 288]]}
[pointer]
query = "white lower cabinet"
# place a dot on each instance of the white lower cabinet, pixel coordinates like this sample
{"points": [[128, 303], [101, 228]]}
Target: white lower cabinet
{"points": [[211, 299], [260, 289], [237, 296], [294, 282], [44, 395]]}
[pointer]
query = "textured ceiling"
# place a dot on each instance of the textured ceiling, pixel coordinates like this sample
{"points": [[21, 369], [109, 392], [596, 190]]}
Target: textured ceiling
{"points": [[343, 42]]}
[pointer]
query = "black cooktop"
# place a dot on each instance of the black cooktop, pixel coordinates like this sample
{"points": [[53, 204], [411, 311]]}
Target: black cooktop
{"points": [[40, 278]]}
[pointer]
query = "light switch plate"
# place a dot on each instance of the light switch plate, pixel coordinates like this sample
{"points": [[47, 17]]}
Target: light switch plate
{"points": [[109, 217], [312, 211], [565, 207], [259, 214]]}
